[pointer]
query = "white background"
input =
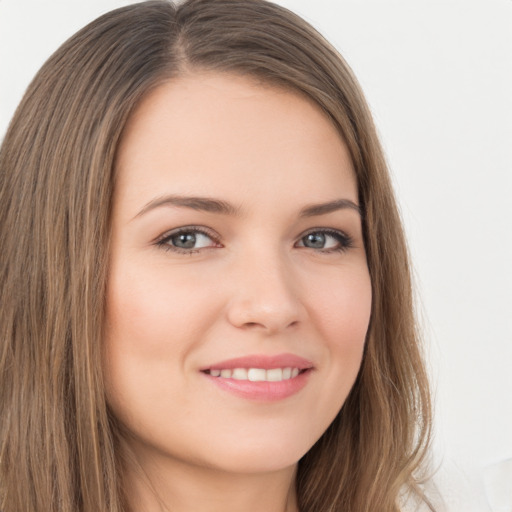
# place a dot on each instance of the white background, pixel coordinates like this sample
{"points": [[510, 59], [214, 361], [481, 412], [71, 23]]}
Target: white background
{"points": [[438, 77]]}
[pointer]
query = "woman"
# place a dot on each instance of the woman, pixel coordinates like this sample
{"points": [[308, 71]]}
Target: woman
{"points": [[206, 298]]}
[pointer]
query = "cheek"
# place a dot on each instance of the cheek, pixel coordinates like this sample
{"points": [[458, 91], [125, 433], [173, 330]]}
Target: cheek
{"points": [[342, 314], [152, 324], [342, 308], [155, 312]]}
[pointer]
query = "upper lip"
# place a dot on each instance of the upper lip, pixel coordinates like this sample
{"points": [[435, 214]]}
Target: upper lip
{"points": [[266, 362]]}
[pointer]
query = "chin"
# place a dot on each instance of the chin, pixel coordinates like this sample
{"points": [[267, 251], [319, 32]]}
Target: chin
{"points": [[260, 453], [258, 461]]}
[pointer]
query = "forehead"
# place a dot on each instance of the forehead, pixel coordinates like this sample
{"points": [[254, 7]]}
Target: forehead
{"points": [[213, 133]]}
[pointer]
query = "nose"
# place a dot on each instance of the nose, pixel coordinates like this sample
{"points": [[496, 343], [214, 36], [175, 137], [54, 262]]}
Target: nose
{"points": [[265, 296]]}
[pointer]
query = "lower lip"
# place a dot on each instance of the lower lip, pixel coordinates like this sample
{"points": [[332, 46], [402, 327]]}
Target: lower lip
{"points": [[262, 391]]}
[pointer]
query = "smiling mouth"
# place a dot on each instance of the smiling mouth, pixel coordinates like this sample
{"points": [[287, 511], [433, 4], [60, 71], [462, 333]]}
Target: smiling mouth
{"points": [[260, 377], [256, 374]]}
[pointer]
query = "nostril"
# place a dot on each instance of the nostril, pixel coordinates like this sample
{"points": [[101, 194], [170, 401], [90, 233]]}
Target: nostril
{"points": [[252, 325], [265, 311]]}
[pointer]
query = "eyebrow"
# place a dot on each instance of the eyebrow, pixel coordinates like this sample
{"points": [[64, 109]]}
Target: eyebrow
{"points": [[332, 206], [210, 205], [204, 204]]}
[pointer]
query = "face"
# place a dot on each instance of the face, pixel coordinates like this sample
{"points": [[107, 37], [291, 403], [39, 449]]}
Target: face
{"points": [[239, 295]]}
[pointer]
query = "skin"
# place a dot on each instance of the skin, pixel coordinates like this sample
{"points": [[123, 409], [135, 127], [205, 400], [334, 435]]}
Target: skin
{"points": [[253, 285]]}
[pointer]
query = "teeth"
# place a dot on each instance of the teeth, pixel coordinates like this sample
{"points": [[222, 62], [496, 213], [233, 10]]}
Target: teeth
{"points": [[257, 374], [275, 375], [239, 374]]}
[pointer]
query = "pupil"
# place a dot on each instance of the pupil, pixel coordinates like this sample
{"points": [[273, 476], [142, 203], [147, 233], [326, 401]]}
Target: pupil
{"points": [[185, 240], [315, 240]]}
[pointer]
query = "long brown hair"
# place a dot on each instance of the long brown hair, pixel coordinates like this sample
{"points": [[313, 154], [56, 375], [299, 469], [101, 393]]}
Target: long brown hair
{"points": [[58, 441]]}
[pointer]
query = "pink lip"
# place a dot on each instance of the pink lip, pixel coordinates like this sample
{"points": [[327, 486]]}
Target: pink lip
{"points": [[262, 391], [262, 361]]}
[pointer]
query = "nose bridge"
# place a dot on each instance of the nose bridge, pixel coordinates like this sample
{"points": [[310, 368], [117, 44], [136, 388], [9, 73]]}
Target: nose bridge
{"points": [[265, 294]]}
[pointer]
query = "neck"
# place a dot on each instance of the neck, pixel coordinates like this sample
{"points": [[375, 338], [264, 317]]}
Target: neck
{"points": [[164, 484]]}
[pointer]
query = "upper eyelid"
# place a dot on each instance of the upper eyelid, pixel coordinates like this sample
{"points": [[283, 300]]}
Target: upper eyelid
{"points": [[210, 232], [328, 231], [323, 230], [216, 238], [187, 229]]}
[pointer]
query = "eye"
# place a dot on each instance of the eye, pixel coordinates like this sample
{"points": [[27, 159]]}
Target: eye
{"points": [[325, 240], [188, 240]]}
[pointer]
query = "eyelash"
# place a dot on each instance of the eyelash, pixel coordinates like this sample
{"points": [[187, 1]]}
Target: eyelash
{"points": [[344, 240], [163, 241]]}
